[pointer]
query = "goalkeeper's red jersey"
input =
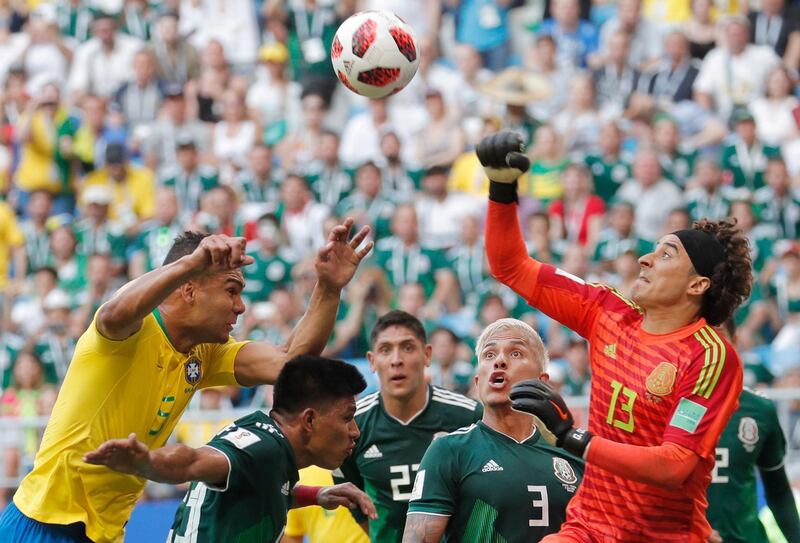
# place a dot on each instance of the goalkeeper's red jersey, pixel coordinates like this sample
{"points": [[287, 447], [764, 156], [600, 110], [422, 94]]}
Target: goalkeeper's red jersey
{"points": [[646, 390]]}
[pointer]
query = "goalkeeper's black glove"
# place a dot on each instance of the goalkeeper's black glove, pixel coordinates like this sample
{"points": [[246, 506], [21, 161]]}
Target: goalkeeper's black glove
{"points": [[537, 398], [503, 159]]}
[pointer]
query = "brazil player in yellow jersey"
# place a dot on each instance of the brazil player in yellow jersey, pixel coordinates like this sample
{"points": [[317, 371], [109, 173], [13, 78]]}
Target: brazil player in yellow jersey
{"points": [[162, 337]]}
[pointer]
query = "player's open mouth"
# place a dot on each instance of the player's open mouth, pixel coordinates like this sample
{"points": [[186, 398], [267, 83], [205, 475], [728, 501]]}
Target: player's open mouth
{"points": [[497, 379], [397, 378], [643, 278]]}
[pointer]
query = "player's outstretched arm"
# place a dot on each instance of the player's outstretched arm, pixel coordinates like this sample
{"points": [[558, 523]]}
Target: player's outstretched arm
{"points": [[424, 528], [667, 466], [259, 363], [172, 464], [121, 317], [330, 497], [780, 500]]}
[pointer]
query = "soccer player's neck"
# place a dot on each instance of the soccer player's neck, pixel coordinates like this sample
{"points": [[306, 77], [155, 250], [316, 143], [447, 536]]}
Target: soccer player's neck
{"points": [[404, 408], [517, 426], [665, 320]]}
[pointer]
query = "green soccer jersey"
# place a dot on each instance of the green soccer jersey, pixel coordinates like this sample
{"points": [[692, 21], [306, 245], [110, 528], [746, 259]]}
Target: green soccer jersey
{"points": [[461, 474], [265, 274], [404, 264], [608, 173], [252, 505], [388, 453], [753, 438]]}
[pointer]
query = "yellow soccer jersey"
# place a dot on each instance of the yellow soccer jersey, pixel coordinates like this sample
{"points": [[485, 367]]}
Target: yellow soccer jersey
{"points": [[112, 388], [321, 525]]}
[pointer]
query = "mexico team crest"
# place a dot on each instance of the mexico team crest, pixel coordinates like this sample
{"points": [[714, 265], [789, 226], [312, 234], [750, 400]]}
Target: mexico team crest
{"points": [[662, 379], [564, 471], [192, 371], [748, 433]]}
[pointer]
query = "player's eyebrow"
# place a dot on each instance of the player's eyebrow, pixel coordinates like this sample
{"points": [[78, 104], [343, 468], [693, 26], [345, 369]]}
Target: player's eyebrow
{"points": [[672, 245], [232, 279]]}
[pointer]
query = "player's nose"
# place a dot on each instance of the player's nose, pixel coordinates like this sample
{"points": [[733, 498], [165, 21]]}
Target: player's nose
{"points": [[646, 261]]}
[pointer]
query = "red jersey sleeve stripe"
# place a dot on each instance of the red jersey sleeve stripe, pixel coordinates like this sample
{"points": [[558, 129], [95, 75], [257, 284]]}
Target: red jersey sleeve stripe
{"points": [[712, 335], [713, 364]]}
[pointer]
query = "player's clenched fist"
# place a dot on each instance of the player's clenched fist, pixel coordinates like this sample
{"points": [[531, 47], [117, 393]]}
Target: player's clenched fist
{"points": [[537, 398], [503, 157], [220, 253]]}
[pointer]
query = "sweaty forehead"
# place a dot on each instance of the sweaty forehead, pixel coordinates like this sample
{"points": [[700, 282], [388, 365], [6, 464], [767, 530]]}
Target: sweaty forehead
{"points": [[671, 240]]}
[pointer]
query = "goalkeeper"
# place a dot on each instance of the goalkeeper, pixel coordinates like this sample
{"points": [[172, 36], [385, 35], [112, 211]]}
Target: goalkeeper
{"points": [[664, 383]]}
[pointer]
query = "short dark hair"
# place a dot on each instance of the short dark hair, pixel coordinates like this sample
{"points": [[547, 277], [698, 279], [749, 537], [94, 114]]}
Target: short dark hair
{"points": [[313, 381], [732, 279], [184, 244], [446, 331], [398, 318]]}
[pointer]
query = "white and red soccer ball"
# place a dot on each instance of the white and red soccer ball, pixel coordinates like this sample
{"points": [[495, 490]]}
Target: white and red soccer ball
{"points": [[374, 53]]}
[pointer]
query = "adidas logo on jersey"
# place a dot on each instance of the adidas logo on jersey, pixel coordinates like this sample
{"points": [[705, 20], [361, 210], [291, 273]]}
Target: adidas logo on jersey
{"points": [[285, 488], [610, 350], [491, 465], [373, 452]]}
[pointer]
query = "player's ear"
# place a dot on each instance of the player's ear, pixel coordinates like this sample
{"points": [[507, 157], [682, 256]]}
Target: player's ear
{"points": [[544, 377], [371, 360], [188, 291], [698, 285], [308, 418], [428, 355]]}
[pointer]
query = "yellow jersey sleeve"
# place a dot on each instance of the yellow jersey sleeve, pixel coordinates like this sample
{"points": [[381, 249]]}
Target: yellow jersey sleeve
{"points": [[222, 360]]}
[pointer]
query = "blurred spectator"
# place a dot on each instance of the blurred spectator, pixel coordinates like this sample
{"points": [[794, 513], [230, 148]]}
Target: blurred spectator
{"points": [[104, 63], [405, 260], [774, 114], [15, 97], [784, 291], [297, 149], [301, 216], [619, 237], [188, 178], [273, 100], [615, 78], [578, 215], [399, 180], [542, 60], [745, 157], [700, 29], [155, 237], [53, 343], [34, 228], [74, 21], [96, 234], [258, 183], [677, 160], [232, 24], [579, 122], [776, 25], [37, 134], [440, 211], [218, 213], [137, 19], [541, 245], [673, 79], [329, 180], [706, 200], [269, 269], [361, 135], [234, 136], [735, 73], [46, 58], [139, 100], [467, 259], [172, 126], [467, 174], [547, 165], [368, 205], [626, 271], [644, 46], [441, 140], [132, 187], [64, 259], [609, 164], [779, 202], [483, 24], [575, 39], [12, 247], [577, 378], [177, 60], [446, 369]]}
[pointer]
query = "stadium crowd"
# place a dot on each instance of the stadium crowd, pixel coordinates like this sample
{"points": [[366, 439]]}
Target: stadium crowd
{"points": [[124, 123]]}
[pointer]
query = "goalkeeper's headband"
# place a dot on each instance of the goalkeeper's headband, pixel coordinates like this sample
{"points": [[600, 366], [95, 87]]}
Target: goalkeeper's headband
{"points": [[704, 250]]}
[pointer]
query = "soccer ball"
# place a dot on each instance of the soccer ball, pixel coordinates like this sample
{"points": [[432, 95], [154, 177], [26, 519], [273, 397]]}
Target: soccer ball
{"points": [[374, 53]]}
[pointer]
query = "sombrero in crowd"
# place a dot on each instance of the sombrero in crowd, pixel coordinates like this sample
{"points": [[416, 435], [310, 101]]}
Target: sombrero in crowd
{"points": [[516, 87]]}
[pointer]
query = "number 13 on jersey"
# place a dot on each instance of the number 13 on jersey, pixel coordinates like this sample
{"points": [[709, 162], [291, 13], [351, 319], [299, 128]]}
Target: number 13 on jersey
{"points": [[624, 419]]}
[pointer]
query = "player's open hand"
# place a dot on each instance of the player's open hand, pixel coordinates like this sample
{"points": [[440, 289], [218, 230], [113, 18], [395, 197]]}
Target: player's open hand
{"points": [[338, 260], [503, 157], [348, 495], [219, 253], [124, 455]]}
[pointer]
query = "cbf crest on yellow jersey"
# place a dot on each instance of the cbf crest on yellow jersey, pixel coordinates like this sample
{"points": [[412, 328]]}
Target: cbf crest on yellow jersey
{"points": [[112, 388]]}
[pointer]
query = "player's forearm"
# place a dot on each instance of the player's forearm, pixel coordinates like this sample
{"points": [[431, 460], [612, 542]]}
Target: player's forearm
{"points": [[508, 256], [312, 332], [422, 528], [666, 466], [780, 500], [141, 296], [173, 464]]}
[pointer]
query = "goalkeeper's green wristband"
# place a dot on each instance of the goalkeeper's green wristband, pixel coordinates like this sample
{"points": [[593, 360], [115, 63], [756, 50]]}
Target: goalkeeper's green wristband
{"points": [[575, 441], [503, 193]]}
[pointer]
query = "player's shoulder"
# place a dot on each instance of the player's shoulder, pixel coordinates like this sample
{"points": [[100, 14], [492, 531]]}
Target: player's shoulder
{"points": [[456, 407], [367, 405], [756, 401], [255, 430], [706, 342]]}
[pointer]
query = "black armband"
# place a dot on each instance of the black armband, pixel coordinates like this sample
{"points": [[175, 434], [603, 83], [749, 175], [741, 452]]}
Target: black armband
{"points": [[503, 193]]}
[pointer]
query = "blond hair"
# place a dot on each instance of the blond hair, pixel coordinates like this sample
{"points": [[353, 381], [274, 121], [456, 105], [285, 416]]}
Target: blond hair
{"points": [[528, 335]]}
